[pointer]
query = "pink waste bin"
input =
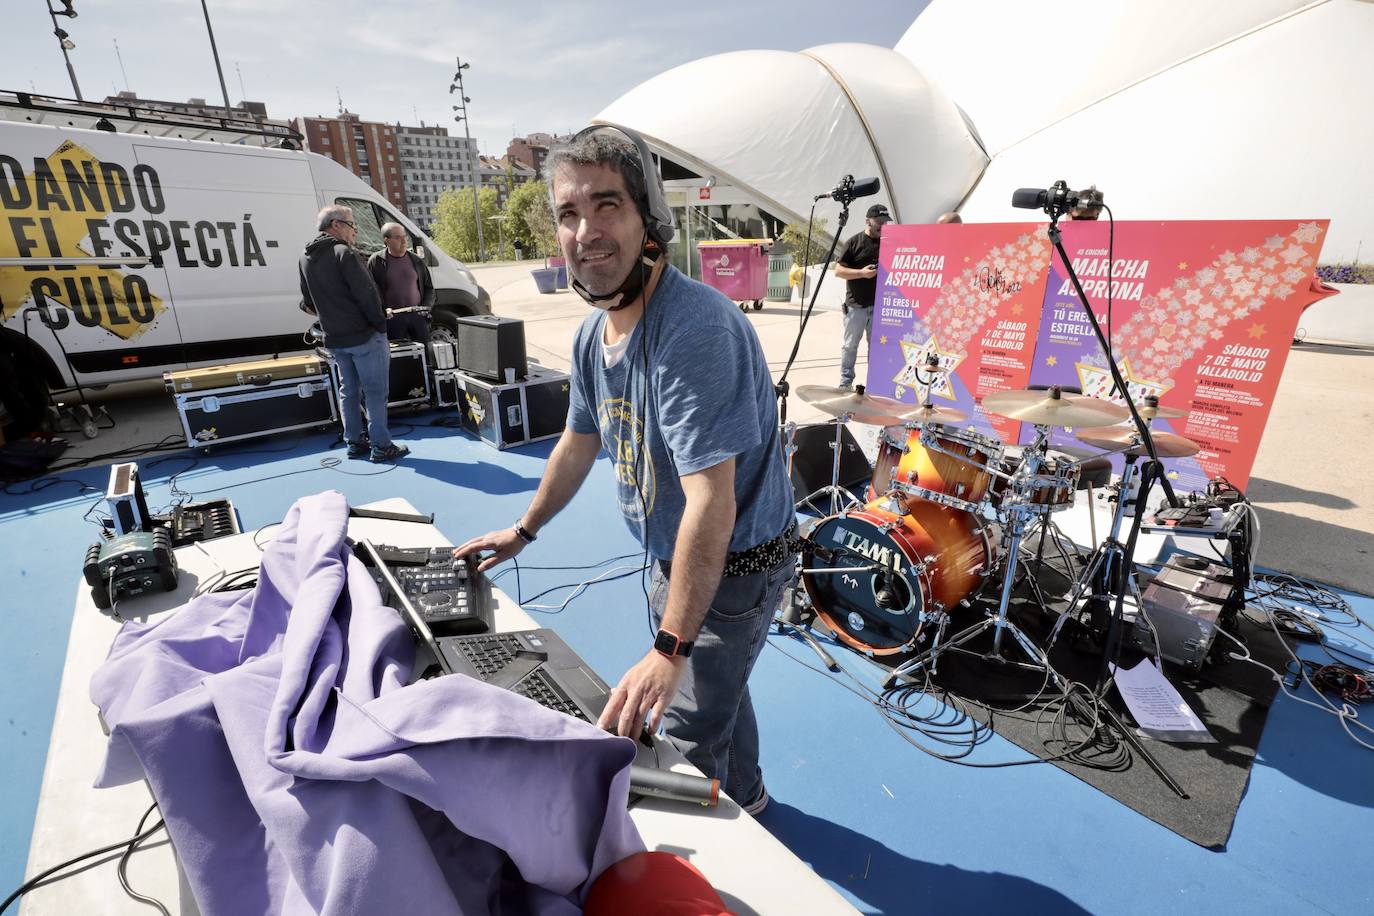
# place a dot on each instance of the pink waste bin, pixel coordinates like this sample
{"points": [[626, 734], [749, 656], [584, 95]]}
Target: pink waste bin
{"points": [[738, 268]]}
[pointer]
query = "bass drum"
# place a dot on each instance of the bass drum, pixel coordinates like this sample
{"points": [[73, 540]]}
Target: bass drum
{"points": [[931, 558]]}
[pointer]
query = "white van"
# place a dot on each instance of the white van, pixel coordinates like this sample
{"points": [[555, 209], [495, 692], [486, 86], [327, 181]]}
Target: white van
{"points": [[209, 233]]}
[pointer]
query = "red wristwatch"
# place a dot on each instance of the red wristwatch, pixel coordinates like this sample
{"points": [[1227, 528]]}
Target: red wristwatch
{"points": [[671, 644]]}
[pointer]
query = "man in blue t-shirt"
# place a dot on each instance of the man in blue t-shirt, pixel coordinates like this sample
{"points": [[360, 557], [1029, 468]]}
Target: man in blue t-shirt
{"points": [[678, 393]]}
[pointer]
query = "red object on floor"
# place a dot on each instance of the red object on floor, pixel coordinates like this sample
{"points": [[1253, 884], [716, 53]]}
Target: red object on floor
{"points": [[654, 884]]}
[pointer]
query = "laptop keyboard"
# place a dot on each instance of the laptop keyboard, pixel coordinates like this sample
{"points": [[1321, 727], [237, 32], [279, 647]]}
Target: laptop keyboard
{"points": [[490, 654]]}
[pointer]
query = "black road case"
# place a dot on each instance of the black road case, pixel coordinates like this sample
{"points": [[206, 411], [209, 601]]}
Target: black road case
{"points": [[409, 374], [502, 414], [249, 411]]}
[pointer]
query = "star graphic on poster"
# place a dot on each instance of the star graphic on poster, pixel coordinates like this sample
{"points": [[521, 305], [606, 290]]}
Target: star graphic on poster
{"points": [[1293, 253], [1182, 265], [1255, 331], [1017, 309], [914, 369], [1097, 382], [1274, 242], [1051, 360], [1167, 330], [1307, 232], [883, 340]]}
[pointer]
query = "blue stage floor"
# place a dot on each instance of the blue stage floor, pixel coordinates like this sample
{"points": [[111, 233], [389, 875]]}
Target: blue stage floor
{"points": [[894, 830]]}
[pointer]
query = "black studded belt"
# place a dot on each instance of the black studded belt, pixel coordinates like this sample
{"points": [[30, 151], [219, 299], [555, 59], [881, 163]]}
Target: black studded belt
{"points": [[763, 557]]}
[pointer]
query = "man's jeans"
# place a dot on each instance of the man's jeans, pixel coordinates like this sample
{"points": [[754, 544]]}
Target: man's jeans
{"points": [[364, 370], [858, 324], [711, 720]]}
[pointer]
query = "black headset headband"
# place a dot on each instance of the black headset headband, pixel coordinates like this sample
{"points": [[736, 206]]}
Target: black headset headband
{"points": [[659, 221]]}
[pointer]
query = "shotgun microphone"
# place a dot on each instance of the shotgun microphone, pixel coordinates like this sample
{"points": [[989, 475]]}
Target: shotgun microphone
{"points": [[651, 783]]}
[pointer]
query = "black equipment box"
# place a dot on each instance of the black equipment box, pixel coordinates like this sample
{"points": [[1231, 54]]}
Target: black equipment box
{"points": [[204, 521], [130, 565], [1183, 610], [408, 384], [492, 348], [504, 415], [251, 410], [451, 596]]}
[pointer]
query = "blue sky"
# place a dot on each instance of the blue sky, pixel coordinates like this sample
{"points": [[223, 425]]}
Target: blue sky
{"points": [[535, 65]]}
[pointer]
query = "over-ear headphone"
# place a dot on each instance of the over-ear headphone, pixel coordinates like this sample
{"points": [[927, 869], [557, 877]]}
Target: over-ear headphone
{"points": [[659, 220]]}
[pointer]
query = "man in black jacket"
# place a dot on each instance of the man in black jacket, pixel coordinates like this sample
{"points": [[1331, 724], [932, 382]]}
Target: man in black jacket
{"points": [[404, 282], [336, 286]]}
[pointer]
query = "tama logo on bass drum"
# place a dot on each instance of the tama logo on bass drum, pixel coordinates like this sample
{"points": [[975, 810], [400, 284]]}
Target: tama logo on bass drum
{"points": [[883, 556]]}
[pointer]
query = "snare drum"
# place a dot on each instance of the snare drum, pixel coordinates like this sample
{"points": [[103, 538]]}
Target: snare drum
{"points": [[1049, 490], [943, 464], [873, 575]]}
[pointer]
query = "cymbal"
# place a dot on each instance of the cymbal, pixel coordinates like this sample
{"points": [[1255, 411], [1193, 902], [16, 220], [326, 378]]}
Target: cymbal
{"points": [[1162, 413], [933, 413], [1167, 445], [866, 408], [1050, 408]]}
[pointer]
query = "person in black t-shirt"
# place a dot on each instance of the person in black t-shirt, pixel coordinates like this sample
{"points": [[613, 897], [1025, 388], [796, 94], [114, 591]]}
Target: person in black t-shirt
{"points": [[858, 267]]}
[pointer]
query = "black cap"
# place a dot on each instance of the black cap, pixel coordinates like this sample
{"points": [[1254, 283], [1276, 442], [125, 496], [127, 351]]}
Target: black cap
{"points": [[878, 211]]}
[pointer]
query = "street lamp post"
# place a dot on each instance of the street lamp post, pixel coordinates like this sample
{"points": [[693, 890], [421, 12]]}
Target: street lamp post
{"points": [[457, 85], [64, 41]]}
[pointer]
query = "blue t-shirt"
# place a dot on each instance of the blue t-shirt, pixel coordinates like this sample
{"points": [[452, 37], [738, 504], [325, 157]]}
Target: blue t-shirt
{"points": [[710, 397]]}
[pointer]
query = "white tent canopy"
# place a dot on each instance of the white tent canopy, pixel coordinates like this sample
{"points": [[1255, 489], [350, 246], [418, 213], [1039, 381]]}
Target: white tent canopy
{"points": [[821, 114], [1274, 124], [1175, 109]]}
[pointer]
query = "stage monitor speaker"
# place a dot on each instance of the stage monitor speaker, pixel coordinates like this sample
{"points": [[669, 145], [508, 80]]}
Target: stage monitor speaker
{"points": [[492, 348], [814, 460]]}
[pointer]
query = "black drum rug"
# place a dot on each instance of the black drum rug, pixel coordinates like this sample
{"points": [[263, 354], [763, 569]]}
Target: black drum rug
{"points": [[1231, 697]]}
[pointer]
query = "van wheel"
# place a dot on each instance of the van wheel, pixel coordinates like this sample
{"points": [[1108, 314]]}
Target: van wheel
{"points": [[443, 329]]}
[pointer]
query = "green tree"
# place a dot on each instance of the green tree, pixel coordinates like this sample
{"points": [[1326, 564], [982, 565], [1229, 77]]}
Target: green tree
{"points": [[793, 240], [530, 219], [455, 229]]}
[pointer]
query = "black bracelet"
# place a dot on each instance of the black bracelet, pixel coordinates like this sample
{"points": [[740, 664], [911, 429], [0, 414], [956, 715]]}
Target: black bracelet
{"points": [[522, 533]]}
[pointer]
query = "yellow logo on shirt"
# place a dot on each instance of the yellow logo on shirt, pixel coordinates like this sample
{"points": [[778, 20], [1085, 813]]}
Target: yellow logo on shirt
{"points": [[622, 433]]}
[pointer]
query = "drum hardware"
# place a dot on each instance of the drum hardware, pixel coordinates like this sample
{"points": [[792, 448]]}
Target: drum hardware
{"points": [[832, 489], [998, 621], [1152, 410]]}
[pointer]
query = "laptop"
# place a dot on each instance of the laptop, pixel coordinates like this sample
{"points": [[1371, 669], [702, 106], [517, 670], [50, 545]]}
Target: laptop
{"points": [[536, 664]]}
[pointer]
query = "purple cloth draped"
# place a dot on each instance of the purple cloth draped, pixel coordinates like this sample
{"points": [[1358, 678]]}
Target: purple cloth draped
{"points": [[298, 772]]}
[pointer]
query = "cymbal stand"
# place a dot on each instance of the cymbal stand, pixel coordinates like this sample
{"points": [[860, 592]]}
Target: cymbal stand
{"points": [[1112, 568], [998, 621], [833, 489]]}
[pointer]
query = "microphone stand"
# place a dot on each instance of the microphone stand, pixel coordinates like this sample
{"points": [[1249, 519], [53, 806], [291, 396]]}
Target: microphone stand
{"points": [[1117, 579], [781, 389]]}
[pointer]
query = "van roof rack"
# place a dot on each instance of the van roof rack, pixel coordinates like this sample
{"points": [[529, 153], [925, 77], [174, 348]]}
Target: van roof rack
{"points": [[134, 118]]}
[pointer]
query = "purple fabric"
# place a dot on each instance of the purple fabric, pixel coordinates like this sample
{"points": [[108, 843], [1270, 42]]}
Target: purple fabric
{"points": [[298, 773]]}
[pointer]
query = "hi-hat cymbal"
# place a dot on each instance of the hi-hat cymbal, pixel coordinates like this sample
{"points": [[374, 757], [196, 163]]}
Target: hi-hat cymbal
{"points": [[933, 413], [1147, 412], [1167, 445], [866, 408], [1051, 408]]}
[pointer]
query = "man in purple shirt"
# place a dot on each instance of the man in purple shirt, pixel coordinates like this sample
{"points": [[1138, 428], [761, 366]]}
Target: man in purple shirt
{"points": [[404, 282]]}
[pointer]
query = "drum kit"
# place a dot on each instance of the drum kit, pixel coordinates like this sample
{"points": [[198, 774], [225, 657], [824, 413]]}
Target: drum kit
{"points": [[945, 515]]}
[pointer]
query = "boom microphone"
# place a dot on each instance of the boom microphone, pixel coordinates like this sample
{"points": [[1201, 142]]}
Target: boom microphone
{"points": [[652, 783], [851, 188], [1057, 198]]}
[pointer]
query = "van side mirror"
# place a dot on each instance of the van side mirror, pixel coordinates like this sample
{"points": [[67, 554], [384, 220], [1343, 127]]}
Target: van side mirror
{"points": [[420, 252]]}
